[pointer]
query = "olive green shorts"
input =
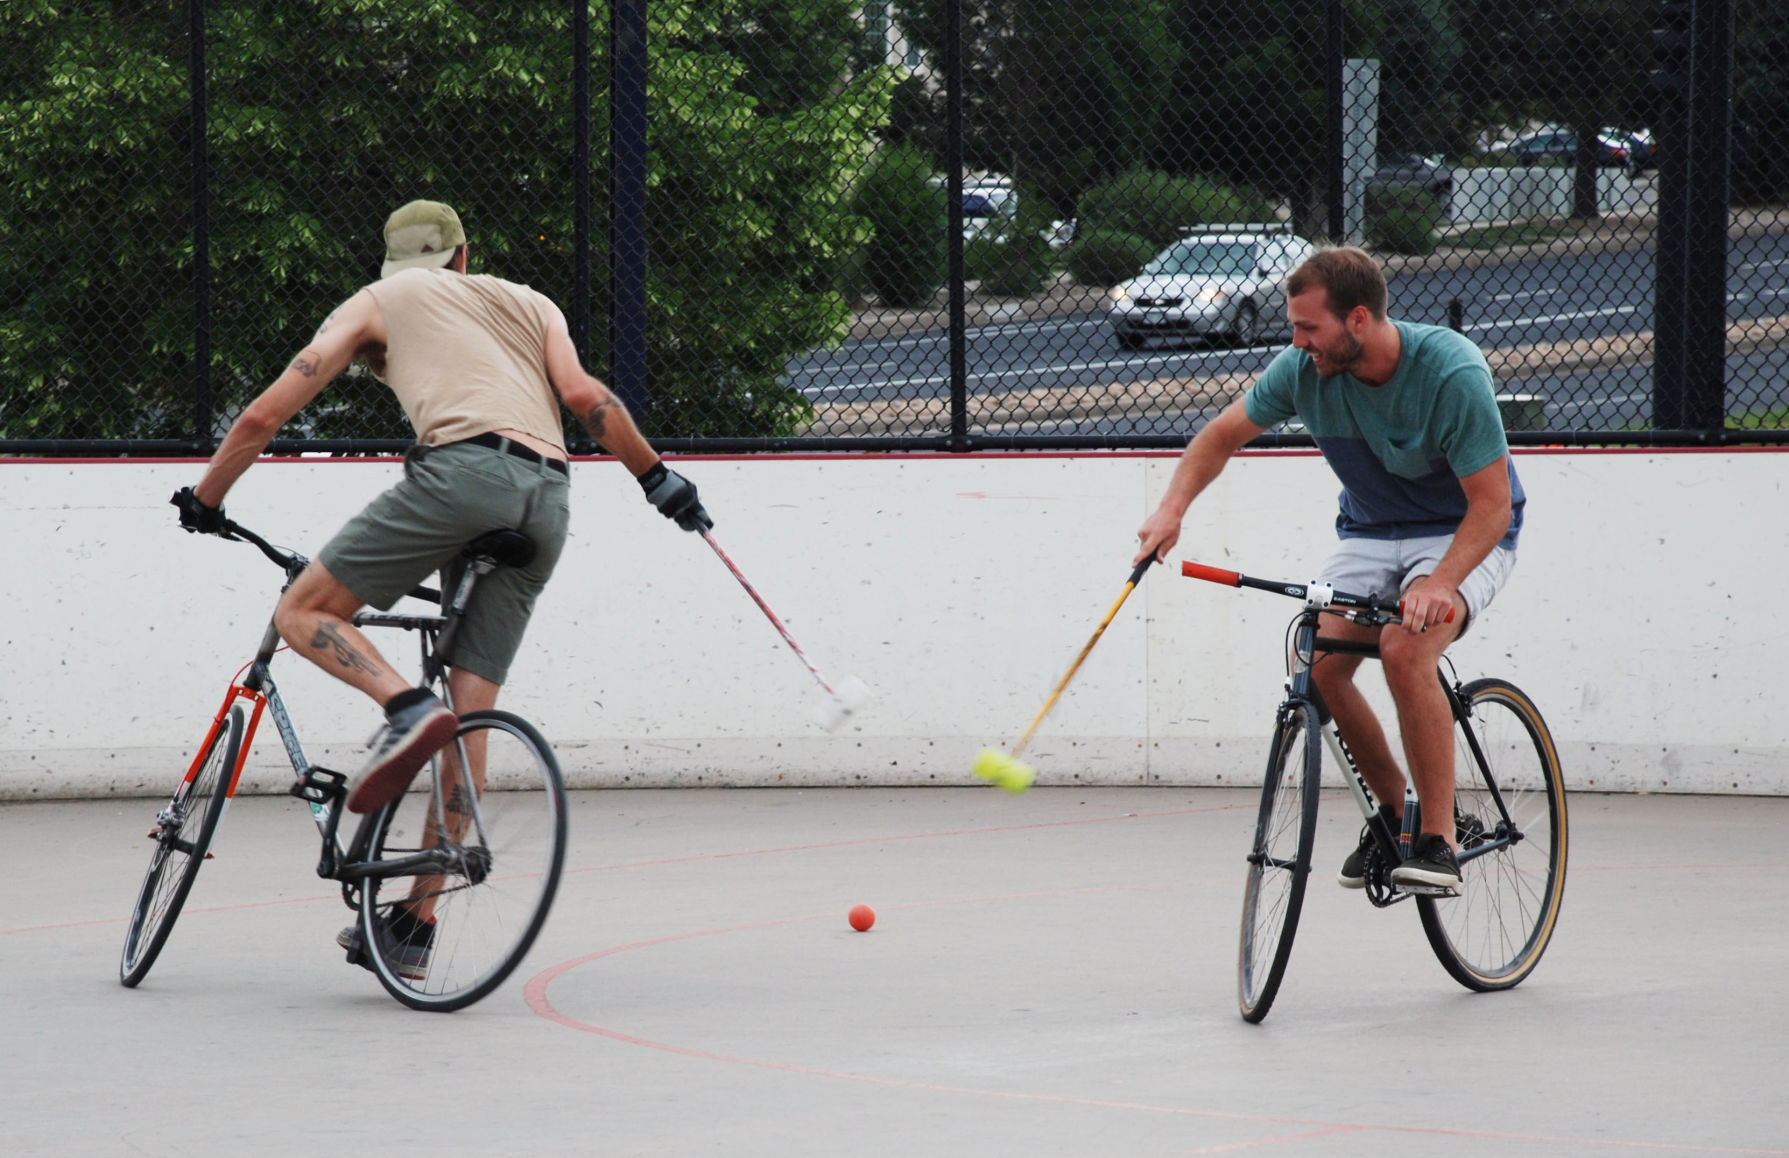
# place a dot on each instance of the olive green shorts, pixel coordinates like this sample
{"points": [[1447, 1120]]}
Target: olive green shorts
{"points": [[449, 496]]}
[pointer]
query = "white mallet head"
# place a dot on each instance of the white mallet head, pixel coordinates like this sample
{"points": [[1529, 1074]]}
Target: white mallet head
{"points": [[850, 695]]}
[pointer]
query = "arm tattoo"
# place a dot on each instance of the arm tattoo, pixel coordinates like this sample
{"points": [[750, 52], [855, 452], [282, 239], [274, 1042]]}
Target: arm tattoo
{"points": [[308, 363], [329, 319], [596, 418], [328, 637]]}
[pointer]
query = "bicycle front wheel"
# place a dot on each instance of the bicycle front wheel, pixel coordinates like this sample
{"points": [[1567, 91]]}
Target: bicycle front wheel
{"points": [[183, 832], [1510, 822], [498, 832], [1279, 859]]}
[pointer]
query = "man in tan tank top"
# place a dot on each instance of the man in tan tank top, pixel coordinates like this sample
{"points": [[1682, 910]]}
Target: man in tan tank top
{"points": [[480, 366]]}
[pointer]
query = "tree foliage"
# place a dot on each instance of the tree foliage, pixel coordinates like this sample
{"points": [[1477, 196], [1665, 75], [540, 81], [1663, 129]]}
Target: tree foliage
{"points": [[326, 115], [1059, 96]]}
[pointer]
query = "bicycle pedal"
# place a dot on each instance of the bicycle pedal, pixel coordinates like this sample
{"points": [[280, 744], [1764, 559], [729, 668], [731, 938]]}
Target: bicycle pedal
{"points": [[1430, 890], [319, 786]]}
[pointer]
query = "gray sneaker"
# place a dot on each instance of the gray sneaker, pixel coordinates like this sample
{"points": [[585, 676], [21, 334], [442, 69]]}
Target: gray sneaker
{"points": [[1431, 869], [409, 958], [400, 749]]}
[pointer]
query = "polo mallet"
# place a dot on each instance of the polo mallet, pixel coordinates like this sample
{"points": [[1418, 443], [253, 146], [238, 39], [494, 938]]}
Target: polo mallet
{"points": [[842, 701], [1004, 769]]}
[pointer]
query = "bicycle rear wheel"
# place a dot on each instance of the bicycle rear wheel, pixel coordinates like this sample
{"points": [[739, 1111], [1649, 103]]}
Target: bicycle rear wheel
{"points": [[1279, 859], [183, 836], [1511, 828], [505, 838]]}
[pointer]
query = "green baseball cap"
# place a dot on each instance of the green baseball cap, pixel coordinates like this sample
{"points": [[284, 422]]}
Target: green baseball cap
{"points": [[421, 235]]}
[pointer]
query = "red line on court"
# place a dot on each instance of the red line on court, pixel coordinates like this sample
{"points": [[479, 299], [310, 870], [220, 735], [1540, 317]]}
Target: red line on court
{"points": [[692, 857], [536, 996]]}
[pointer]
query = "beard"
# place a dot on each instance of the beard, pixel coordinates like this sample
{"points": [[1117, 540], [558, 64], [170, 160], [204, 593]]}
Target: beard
{"points": [[1342, 356]]}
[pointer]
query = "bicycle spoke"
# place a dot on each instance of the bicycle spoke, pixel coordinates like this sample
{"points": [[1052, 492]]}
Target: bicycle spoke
{"points": [[484, 900], [183, 834], [1279, 863], [1494, 933]]}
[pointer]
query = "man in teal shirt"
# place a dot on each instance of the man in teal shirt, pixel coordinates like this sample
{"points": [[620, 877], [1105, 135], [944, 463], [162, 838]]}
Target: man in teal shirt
{"points": [[1431, 508]]}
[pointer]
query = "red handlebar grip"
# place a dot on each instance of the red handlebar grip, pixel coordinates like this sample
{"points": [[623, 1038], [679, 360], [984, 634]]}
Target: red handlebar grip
{"points": [[1211, 574], [1448, 619]]}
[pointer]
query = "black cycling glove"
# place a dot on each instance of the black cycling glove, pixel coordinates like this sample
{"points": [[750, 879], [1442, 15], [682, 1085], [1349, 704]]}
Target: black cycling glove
{"points": [[675, 498], [195, 515]]}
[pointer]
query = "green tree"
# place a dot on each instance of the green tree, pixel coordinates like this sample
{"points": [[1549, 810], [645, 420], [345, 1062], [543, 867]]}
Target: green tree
{"points": [[1059, 95], [1760, 100], [1576, 63], [326, 115], [1420, 50], [1247, 105]]}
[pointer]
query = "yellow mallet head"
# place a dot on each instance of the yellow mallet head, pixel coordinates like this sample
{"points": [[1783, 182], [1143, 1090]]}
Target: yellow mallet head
{"points": [[1000, 769]]}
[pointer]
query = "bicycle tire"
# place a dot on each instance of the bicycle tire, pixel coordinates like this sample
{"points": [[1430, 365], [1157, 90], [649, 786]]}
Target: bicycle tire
{"points": [[186, 828], [1279, 859], [1493, 934], [486, 915]]}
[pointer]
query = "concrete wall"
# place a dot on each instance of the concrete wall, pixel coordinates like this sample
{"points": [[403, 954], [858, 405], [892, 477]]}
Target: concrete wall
{"points": [[959, 588]]}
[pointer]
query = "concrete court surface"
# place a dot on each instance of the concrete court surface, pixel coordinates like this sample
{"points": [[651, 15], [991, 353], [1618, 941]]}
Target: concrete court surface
{"points": [[1051, 974]]}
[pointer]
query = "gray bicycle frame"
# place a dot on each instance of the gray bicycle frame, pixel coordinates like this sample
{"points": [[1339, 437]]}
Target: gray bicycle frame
{"points": [[436, 633]]}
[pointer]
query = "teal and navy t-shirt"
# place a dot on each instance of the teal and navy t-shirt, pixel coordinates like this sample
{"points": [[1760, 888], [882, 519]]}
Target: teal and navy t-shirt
{"points": [[1400, 449]]}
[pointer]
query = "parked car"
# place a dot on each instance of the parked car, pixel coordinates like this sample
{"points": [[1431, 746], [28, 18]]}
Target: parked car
{"points": [[1614, 149], [1642, 151], [987, 208], [1398, 172], [1223, 281], [990, 206]]}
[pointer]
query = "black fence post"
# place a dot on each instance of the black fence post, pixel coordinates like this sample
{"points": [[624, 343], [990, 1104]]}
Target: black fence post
{"points": [[627, 204], [202, 417], [1334, 48], [1692, 47], [953, 183], [581, 208]]}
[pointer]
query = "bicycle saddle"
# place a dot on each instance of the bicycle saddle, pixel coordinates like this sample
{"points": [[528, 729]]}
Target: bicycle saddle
{"points": [[506, 547]]}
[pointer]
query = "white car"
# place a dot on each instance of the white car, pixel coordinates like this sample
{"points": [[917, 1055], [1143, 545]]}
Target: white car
{"points": [[1218, 281]]}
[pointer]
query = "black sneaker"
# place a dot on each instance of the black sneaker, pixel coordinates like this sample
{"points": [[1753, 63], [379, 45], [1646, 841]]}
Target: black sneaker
{"points": [[1354, 869], [410, 736], [409, 957], [1431, 868]]}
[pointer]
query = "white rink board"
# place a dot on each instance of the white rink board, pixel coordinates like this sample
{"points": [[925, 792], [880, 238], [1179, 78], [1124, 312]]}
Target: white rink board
{"points": [[958, 588]]}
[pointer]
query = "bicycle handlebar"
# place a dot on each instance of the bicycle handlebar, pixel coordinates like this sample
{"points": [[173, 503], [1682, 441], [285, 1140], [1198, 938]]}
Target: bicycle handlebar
{"points": [[1317, 595], [291, 561]]}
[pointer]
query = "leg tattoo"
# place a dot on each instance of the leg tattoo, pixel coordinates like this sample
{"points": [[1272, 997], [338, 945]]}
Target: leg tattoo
{"points": [[329, 638]]}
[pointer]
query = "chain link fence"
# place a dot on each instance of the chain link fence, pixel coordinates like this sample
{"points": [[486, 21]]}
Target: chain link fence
{"points": [[927, 224]]}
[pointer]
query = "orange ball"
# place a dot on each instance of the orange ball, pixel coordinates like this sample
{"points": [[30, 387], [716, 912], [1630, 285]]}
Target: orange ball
{"points": [[862, 917]]}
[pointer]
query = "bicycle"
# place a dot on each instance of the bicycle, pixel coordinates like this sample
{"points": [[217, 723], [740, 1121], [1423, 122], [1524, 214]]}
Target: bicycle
{"points": [[474, 850], [1509, 815]]}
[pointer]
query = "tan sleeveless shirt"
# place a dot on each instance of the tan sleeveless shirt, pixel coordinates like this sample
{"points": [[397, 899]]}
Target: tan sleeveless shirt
{"points": [[466, 354]]}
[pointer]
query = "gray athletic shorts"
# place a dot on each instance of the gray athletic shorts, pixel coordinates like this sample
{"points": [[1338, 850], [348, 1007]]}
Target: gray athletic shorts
{"points": [[449, 496], [1384, 567]]}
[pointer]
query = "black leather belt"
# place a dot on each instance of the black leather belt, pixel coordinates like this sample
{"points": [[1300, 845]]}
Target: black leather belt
{"points": [[526, 453]]}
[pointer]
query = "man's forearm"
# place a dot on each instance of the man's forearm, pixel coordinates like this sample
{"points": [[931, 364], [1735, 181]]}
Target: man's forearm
{"points": [[609, 423], [1478, 535], [1204, 459], [247, 438]]}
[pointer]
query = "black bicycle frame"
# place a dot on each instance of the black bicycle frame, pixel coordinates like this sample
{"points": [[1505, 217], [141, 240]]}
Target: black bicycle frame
{"points": [[1307, 646]]}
